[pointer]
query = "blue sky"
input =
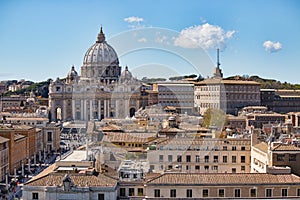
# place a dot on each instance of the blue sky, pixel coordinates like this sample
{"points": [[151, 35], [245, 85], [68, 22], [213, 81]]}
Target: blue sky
{"points": [[43, 39]]}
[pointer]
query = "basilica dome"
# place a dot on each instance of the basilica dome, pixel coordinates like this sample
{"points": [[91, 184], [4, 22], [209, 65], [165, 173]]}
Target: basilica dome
{"points": [[101, 53], [101, 62]]}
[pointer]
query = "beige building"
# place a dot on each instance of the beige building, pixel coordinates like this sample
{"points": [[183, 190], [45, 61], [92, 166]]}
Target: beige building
{"points": [[51, 137], [197, 155], [224, 186], [225, 94], [4, 157], [228, 95]]}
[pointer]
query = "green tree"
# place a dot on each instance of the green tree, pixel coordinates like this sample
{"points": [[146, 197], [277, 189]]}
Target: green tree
{"points": [[214, 118]]}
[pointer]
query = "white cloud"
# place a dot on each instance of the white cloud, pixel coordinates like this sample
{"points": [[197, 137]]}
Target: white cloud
{"points": [[206, 36], [272, 46], [142, 40], [133, 19]]}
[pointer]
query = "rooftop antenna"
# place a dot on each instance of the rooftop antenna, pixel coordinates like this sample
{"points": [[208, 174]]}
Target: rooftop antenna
{"points": [[218, 62]]}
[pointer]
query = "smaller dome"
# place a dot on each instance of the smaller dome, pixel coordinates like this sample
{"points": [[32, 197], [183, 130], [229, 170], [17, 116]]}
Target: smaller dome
{"points": [[72, 75], [126, 75]]}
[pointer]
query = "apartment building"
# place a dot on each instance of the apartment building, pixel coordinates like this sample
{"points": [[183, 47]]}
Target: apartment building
{"points": [[196, 155]]}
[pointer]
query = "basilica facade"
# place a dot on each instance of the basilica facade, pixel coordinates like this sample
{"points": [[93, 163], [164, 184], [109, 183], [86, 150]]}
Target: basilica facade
{"points": [[101, 91]]}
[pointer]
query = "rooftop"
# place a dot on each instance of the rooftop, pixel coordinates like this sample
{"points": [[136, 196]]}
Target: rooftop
{"points": [[224, 179], [262, 146], [55, 179], [285, 147]]}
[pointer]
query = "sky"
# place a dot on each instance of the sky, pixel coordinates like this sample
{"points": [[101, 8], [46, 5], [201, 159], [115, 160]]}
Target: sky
{"points": [[154, 38]]}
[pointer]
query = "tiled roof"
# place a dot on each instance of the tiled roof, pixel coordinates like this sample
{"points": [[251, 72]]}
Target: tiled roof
{"points": [[111, 127], [285, 147], [206, 141], [55, 179], [126, 137], [224, 179], [22, 127], [262, 146]]}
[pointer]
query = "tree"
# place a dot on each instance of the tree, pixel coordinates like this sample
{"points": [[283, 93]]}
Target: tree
{"points": [[214, 118]]}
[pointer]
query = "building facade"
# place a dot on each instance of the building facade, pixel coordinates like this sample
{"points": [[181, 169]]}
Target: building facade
{"points": [[281, 101], [195, 155], [223, 186], [4, 157], [178, 94]]}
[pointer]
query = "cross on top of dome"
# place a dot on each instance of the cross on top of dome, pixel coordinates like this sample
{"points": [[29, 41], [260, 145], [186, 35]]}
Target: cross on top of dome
{"points": [[101, 36]]}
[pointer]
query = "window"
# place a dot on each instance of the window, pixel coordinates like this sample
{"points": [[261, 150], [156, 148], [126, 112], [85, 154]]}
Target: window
{"points": [[292, 157], [243, 168], [233, 159], [161, 158], [170, 158], [187, 167], [140, 191], [49, 136], [157, 193], [253, 192], [221, 193], [233, 170], [172, 193], [101, 196], [237, 193], [188, 158], [280, 157], [284, 192], [179, 158], [197, 167], [206, 168], [268, 192], [298, 192], [224, 159], [216, 158], [233, 148], [215, 168], [189, 193], [243, 148], [131, 192], [224, 148], [243, 159], [205, 193], [206, 159], [122, 192], [35, 195], [197, 158], [170, 166]]}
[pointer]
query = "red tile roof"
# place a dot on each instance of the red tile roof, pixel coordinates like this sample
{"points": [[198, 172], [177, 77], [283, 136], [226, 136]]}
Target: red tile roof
{"points": [[224, 179]]}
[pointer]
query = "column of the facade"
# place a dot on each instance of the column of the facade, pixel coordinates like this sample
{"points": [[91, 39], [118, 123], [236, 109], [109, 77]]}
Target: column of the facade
{"points": [[108, 108], [64, 110], [105, 108], [91, 110], [73, 110], [85, 109], [81, 109], [99, 109]]}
